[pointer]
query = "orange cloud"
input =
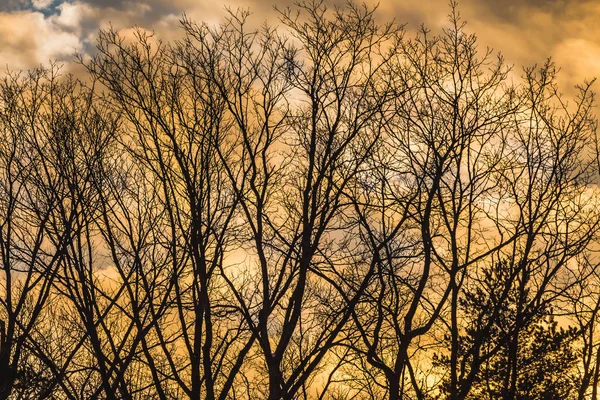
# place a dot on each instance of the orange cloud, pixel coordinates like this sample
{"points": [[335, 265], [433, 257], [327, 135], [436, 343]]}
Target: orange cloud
{"points": [[28, 39], [526, 32]]}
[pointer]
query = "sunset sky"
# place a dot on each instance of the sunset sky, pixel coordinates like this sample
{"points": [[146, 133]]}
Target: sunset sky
{"points": [[525, 31]]}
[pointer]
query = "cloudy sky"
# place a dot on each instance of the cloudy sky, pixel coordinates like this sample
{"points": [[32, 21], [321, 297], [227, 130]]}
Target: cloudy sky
{"points": [[525, 31]]}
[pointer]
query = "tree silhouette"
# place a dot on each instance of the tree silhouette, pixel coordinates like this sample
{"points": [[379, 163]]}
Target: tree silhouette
{"points": [[323, 209]]}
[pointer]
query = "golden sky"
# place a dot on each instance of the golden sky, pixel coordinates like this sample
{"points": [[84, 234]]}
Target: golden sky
{"points": [[525, 31]]}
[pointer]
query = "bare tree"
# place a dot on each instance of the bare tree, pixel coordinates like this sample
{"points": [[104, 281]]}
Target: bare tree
{"points": [[296, 161], [550, 173], [442, 145], [325, 209], [42, 118], [479, 185]]}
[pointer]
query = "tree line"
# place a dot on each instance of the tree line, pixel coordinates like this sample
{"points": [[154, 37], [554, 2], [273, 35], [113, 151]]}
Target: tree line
{"points": [[326, 209]]}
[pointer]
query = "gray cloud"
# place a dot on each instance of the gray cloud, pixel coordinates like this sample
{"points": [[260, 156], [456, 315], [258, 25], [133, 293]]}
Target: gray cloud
{"points": [[526, 31]]}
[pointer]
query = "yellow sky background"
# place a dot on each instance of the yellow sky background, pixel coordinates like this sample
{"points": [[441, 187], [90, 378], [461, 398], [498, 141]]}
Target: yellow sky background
{"points": [[32, 32]]}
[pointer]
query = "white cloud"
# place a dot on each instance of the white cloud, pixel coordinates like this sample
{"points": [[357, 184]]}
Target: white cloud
{"points": [[72, 15], [526, 33], [28, 39], [41, 4]]}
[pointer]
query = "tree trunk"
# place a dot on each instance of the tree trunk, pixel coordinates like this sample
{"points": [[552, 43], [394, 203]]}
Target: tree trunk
{"points": [[276, 391]]}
